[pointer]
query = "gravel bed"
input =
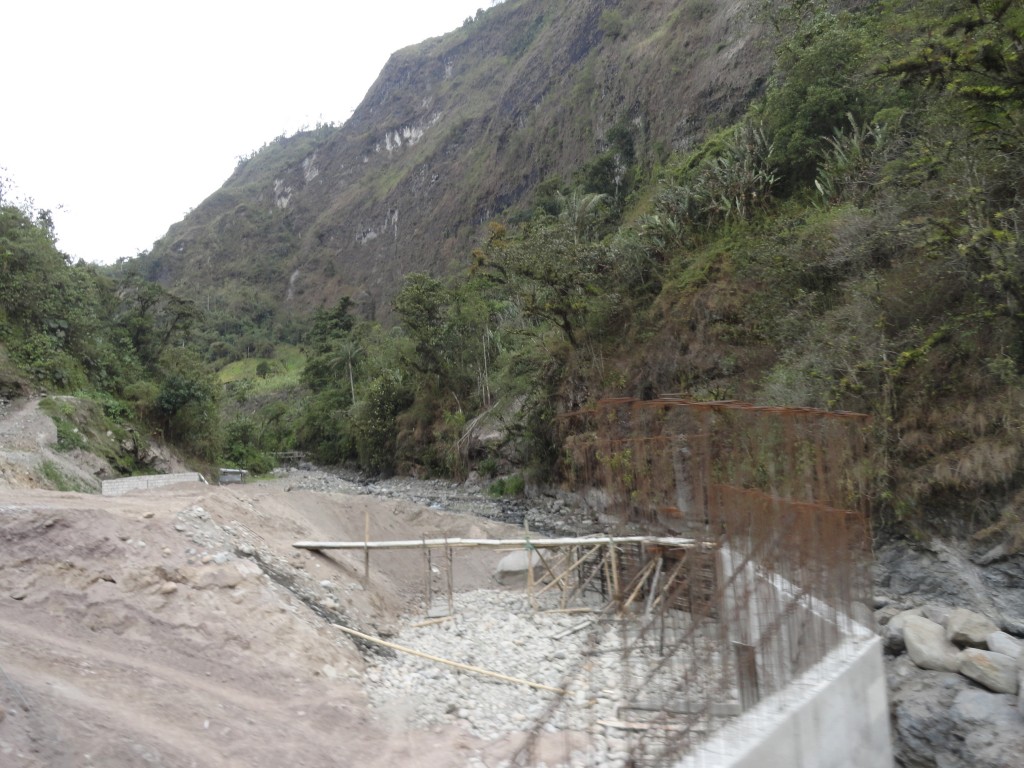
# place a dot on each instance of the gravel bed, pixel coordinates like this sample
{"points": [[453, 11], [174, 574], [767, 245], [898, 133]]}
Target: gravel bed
{"points": [[549, 514], [499, 631]]}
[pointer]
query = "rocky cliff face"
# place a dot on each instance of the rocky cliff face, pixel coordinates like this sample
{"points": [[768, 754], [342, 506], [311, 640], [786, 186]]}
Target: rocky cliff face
{"points": [[458, 130]]}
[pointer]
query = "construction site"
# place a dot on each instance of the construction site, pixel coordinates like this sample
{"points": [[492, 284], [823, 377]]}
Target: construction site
{"points": [[722, 617], [736, 581]]}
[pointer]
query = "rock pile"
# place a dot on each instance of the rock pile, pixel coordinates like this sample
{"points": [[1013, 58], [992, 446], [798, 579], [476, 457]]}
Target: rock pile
{"points": [[958, 641], [955, 692]]}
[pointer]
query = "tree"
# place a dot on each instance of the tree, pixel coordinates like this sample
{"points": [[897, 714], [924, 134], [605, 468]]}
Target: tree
{"points": [[976, 51], [329, 324], [330, 343], [155, 319], [553, 267], [188, 403], [822, 77], [426, 306]]}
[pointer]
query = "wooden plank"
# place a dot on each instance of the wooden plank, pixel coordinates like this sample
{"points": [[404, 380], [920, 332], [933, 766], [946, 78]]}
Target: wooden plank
{"points": [[746, 674]]}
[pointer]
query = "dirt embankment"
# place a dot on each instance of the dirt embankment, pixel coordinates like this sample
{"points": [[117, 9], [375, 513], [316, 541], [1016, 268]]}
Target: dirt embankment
{"points": [[180, 628], [30, 455]]}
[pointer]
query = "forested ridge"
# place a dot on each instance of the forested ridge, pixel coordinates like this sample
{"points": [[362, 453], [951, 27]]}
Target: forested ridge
{"points": [[852, 241]]}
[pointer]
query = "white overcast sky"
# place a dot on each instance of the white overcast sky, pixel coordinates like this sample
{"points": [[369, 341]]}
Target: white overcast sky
{"points": [[121, 116]]}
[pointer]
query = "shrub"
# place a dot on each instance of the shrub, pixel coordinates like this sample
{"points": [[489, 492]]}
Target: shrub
{"points": [[507, 486]]}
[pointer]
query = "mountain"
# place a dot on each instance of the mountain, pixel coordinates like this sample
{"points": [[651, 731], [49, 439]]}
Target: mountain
{"points": [[456, 131]]}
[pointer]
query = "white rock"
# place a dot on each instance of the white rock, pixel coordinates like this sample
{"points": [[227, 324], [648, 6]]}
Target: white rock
{"points": [[216, 577], [993, 670], [512, 568], [937, 613], [967, 628], [927, 645], [1000, 642], [893, 631]]}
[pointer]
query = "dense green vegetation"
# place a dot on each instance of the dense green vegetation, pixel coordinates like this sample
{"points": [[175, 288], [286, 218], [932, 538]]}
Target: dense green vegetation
{"points": [[120, 343], [853, 241]]}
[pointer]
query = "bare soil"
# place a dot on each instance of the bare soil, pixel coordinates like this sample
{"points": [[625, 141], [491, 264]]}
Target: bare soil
{"points": [[179, 627]]}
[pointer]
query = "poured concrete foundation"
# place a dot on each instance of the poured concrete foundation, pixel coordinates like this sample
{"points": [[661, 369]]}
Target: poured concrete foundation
{"points": [[834, 716]]}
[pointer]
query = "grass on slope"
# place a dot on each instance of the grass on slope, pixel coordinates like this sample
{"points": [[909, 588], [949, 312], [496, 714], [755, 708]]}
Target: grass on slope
{"points": [[262, 374]]}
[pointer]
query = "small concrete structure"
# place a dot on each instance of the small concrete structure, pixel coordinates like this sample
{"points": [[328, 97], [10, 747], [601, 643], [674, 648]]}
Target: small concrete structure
{"points": [[123, 485], [230, 475]]}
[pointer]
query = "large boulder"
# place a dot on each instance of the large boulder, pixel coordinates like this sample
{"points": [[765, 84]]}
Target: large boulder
{"points": [[942, 572], [991, 729], [920, 703], [968, 629], [892, 632], [927, 645], [1008, 645], [942, 720], [513, 568], [995, 671], [937, 612]]}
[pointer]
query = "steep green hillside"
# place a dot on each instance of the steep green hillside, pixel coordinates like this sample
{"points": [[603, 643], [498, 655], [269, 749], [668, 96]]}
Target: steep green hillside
{"points": [[456, 131], [853, 241]]}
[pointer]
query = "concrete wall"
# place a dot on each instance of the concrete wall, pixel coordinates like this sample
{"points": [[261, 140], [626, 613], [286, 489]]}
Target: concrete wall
{"points": [[835, 715], [124, 485]]}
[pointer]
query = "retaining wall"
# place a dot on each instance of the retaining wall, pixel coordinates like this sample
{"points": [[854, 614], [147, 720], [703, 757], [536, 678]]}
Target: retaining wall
{"points": [[124, 485], [836, 715]]}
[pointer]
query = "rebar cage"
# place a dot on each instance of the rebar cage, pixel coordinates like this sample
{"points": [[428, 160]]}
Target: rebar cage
{"points": [[779, 564]]}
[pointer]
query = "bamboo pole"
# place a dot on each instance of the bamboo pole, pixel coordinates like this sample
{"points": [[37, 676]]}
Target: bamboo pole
{"points": [[581, 587], [430, 578], [449, 662], [624, 725], [547, 568], [366, 545], [640, 578], [667, 587], [671, 542], [572, 630], [574, 552], [612, 553], [578, 609], [654, 586], [530, 549], [451, 584]]}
